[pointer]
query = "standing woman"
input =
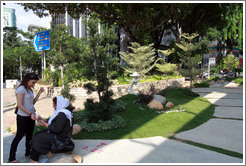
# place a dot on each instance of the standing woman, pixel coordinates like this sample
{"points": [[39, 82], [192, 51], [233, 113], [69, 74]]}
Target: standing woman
{"points": [[25, 114]]}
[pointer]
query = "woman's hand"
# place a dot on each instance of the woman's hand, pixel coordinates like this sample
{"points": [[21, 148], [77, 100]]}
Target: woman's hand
{"points": [[38, 117], [41, 90], [42, 123], [33, 117]]}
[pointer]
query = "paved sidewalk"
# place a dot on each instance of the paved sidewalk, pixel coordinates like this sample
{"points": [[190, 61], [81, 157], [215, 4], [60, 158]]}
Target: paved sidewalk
{"points": [[224, 132]]}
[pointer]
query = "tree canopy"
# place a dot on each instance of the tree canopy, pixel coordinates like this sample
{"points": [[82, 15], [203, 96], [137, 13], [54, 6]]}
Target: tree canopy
{"points": [[145, 22]]}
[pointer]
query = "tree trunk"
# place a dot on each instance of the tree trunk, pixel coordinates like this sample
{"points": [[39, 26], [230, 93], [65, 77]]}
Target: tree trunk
{"points": [[61, 66], [124, 39], [190, 83], [62, 77]]}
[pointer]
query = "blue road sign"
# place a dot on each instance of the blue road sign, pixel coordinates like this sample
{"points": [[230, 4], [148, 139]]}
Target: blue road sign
{"points": [[41, 41]]}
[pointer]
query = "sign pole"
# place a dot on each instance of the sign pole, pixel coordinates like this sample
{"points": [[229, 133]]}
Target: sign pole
{"points": [[20, 70], [42, 64]]}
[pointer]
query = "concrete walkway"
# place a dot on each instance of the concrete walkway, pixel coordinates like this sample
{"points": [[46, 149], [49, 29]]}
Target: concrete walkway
{"points": [[225, 132]]}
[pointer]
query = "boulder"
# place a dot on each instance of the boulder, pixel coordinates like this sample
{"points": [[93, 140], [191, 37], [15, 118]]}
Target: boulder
{"points": [[76, 129], [160, 98], [64, 158], [155, 105], [169, 104]]}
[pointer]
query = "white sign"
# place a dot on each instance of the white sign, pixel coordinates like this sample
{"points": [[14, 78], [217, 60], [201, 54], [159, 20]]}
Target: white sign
{"points": [[212, 61]]}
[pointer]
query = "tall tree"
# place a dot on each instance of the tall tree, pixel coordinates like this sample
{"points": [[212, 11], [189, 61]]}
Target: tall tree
{"points": [[140, 59], [233, 30], [21, 53], [98, 62], [188, 56], [144, 22], [63, 47]]}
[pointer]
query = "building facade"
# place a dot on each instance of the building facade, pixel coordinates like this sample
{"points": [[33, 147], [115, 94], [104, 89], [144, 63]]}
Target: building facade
{"points": [[9, 17], [77, 27]]}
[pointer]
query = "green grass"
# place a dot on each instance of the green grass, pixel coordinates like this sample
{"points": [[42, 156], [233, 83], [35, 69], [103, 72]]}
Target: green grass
{"points": [[148, 123]]}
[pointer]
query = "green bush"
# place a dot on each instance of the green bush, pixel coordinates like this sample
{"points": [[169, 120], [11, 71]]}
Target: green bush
{"points": [[202, 84], [215, 78], [186, 91], [79, 116], [114, 123], [124, 80], [144, 98], [229, 78], [239, 81], [65, 92], [118, 106]]}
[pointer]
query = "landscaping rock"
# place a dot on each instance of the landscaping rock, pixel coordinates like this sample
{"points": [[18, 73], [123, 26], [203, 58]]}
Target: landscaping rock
{"points": [[76, 129], [160, 99], [169, 104], [155, 105], [64, 158]]}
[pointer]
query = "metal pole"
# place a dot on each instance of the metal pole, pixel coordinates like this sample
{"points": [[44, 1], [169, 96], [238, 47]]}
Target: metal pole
{"points": [[42, 64], [208, 68], [20, 69]]}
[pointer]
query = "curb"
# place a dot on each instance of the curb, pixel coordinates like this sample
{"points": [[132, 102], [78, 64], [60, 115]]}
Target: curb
{"points": [[8, 105]]}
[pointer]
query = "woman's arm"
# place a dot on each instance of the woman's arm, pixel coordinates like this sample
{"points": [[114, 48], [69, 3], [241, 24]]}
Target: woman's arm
{"points": [[20, 98], [57, 123], [37, 96]]}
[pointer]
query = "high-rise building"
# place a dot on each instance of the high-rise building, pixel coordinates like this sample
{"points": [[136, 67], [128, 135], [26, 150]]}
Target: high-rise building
{"points": [[77, 27], [9, 17]]}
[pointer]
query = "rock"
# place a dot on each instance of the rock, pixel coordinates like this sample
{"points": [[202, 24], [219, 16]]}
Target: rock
{"points": [[76, 129], [169, 104], [155, 105], [64, 158], [78, 158], [160, 99]]}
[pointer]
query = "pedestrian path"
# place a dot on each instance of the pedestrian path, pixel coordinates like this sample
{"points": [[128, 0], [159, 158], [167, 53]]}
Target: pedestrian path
{"points": [[225, 131]]}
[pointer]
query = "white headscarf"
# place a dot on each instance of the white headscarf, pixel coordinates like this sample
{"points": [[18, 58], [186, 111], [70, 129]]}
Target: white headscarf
{"points": [[61, 104]]}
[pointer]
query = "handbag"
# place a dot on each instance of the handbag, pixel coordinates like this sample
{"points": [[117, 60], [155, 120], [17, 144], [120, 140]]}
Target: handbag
{"points": [[59, 145], [16, 110]]}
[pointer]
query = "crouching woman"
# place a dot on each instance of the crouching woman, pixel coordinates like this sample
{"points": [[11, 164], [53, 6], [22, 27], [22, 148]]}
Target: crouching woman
{"points": [[59, 125]]}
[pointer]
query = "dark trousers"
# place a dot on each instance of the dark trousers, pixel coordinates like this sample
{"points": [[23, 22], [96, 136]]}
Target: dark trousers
{"points": [[25, 126]]}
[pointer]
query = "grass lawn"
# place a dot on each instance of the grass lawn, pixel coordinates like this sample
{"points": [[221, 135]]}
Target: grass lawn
{"points": [[147, 123]]}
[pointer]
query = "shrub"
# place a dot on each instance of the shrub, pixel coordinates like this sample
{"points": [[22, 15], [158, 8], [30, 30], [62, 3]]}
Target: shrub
{"points": [[214, 78], [119, 106], [202, 84], [229, 78], [144, 98], [239, 81], [186, 91], [114, 123], [124, 80], [66, 93], [79, 116]]}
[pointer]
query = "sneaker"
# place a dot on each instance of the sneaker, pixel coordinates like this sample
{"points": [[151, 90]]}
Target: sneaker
{"points": [[13, 161], [28, 156]]}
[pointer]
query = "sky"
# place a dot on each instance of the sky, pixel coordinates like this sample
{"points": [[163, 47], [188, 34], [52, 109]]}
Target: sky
{"points": [[24, 19]]}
